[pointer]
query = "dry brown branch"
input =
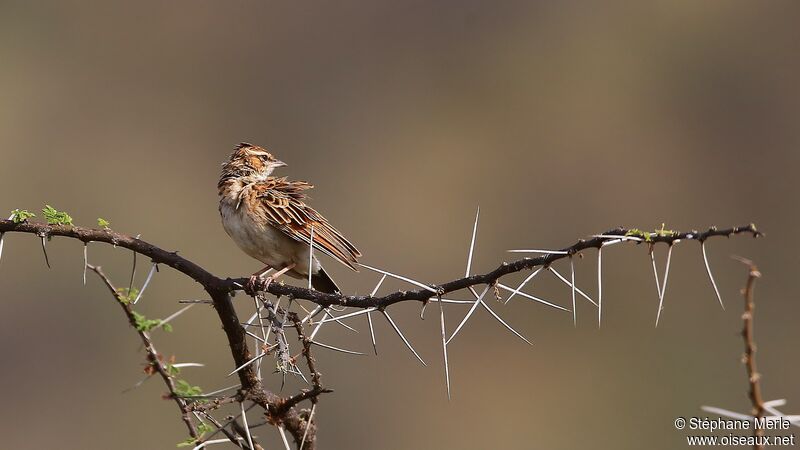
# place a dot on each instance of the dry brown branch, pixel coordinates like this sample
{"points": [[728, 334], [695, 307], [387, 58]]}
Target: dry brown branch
{"points": [[153, 358], [283, 412], [749, 358]]}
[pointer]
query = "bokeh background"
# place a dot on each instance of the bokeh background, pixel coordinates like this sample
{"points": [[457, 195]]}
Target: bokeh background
{"points": [[560, 119]]}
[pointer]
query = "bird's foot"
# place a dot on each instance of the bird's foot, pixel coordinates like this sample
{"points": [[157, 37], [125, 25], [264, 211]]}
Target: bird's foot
{"points": [[256, 284]]}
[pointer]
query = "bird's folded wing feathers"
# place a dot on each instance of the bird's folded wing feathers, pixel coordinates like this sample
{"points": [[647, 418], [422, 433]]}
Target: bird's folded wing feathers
{"points": [[281, 203]]}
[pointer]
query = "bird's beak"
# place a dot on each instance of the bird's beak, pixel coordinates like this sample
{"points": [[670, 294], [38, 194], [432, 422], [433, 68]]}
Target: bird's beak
{"points": [[278, 163]]}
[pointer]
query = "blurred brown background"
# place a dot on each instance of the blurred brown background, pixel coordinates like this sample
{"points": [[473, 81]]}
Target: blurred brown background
{"points": [[559, 119]]}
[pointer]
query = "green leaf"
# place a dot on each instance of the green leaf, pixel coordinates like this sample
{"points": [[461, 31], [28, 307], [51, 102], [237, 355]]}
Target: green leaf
{"points": [[127, 296], [191, 442], [103, 223], [173, 371], [665, 233], [21, 215], [144, 324], [184, 389], [56, 217], [204, 428]]}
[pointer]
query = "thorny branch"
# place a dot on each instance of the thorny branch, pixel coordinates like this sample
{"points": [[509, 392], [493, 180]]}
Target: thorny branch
{"points": [[753, 376], [761, 410], [228, 285], [283, 412], [154, 359]]}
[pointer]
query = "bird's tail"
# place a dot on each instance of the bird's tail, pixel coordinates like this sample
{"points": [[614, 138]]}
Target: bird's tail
{"points": [[323, 283]]}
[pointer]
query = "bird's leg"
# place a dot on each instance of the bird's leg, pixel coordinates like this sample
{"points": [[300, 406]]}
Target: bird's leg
{"points": [[256, 278], [277, 274]]}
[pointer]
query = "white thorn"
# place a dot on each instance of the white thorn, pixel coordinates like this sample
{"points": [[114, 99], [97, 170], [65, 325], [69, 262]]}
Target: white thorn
{"points": [[658, 283], [616, 236], [572, 277], [263, 334], [378, 286], [189, 364], [372, 333], [316, 329], [85, 258], [711, 277], [399, 277], [469, 313], [247, 364], [218, 391], [663, 284], [352, 314], [311, 315], [331, 347], [444, 348], [308, 425], [523, 294], [565, 281], [177, 313], [336, 319], [524, 282], [212, 442], [726, 413], [246, 427], [369, 316], [283, 437], [599, 285], [508, 327], [146, 282], [310, 256], [546, 252], [44, 250], [400, 333], [472, 243], [133, 270]]}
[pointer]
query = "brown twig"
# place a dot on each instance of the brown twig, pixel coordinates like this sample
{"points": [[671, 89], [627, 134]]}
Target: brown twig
{"points": [[153, 357], [749, 358], [223, 286]]}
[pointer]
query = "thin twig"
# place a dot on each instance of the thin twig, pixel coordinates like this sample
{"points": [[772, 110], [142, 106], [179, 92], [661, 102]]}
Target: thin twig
{"points": [[152, 354], [753, 376]]}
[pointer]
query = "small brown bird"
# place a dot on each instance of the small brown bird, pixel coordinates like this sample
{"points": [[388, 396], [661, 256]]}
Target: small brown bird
{"points": [[267, 218]]}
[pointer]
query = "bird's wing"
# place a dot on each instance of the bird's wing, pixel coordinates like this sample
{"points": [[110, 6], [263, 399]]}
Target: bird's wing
{"points": [[280, 203]]}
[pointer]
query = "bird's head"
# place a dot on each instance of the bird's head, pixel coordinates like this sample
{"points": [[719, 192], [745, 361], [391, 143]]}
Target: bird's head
{"points": [[249, 160]]}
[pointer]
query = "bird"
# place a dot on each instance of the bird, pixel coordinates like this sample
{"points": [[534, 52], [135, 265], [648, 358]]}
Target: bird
{"points": [[268, 219]]}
